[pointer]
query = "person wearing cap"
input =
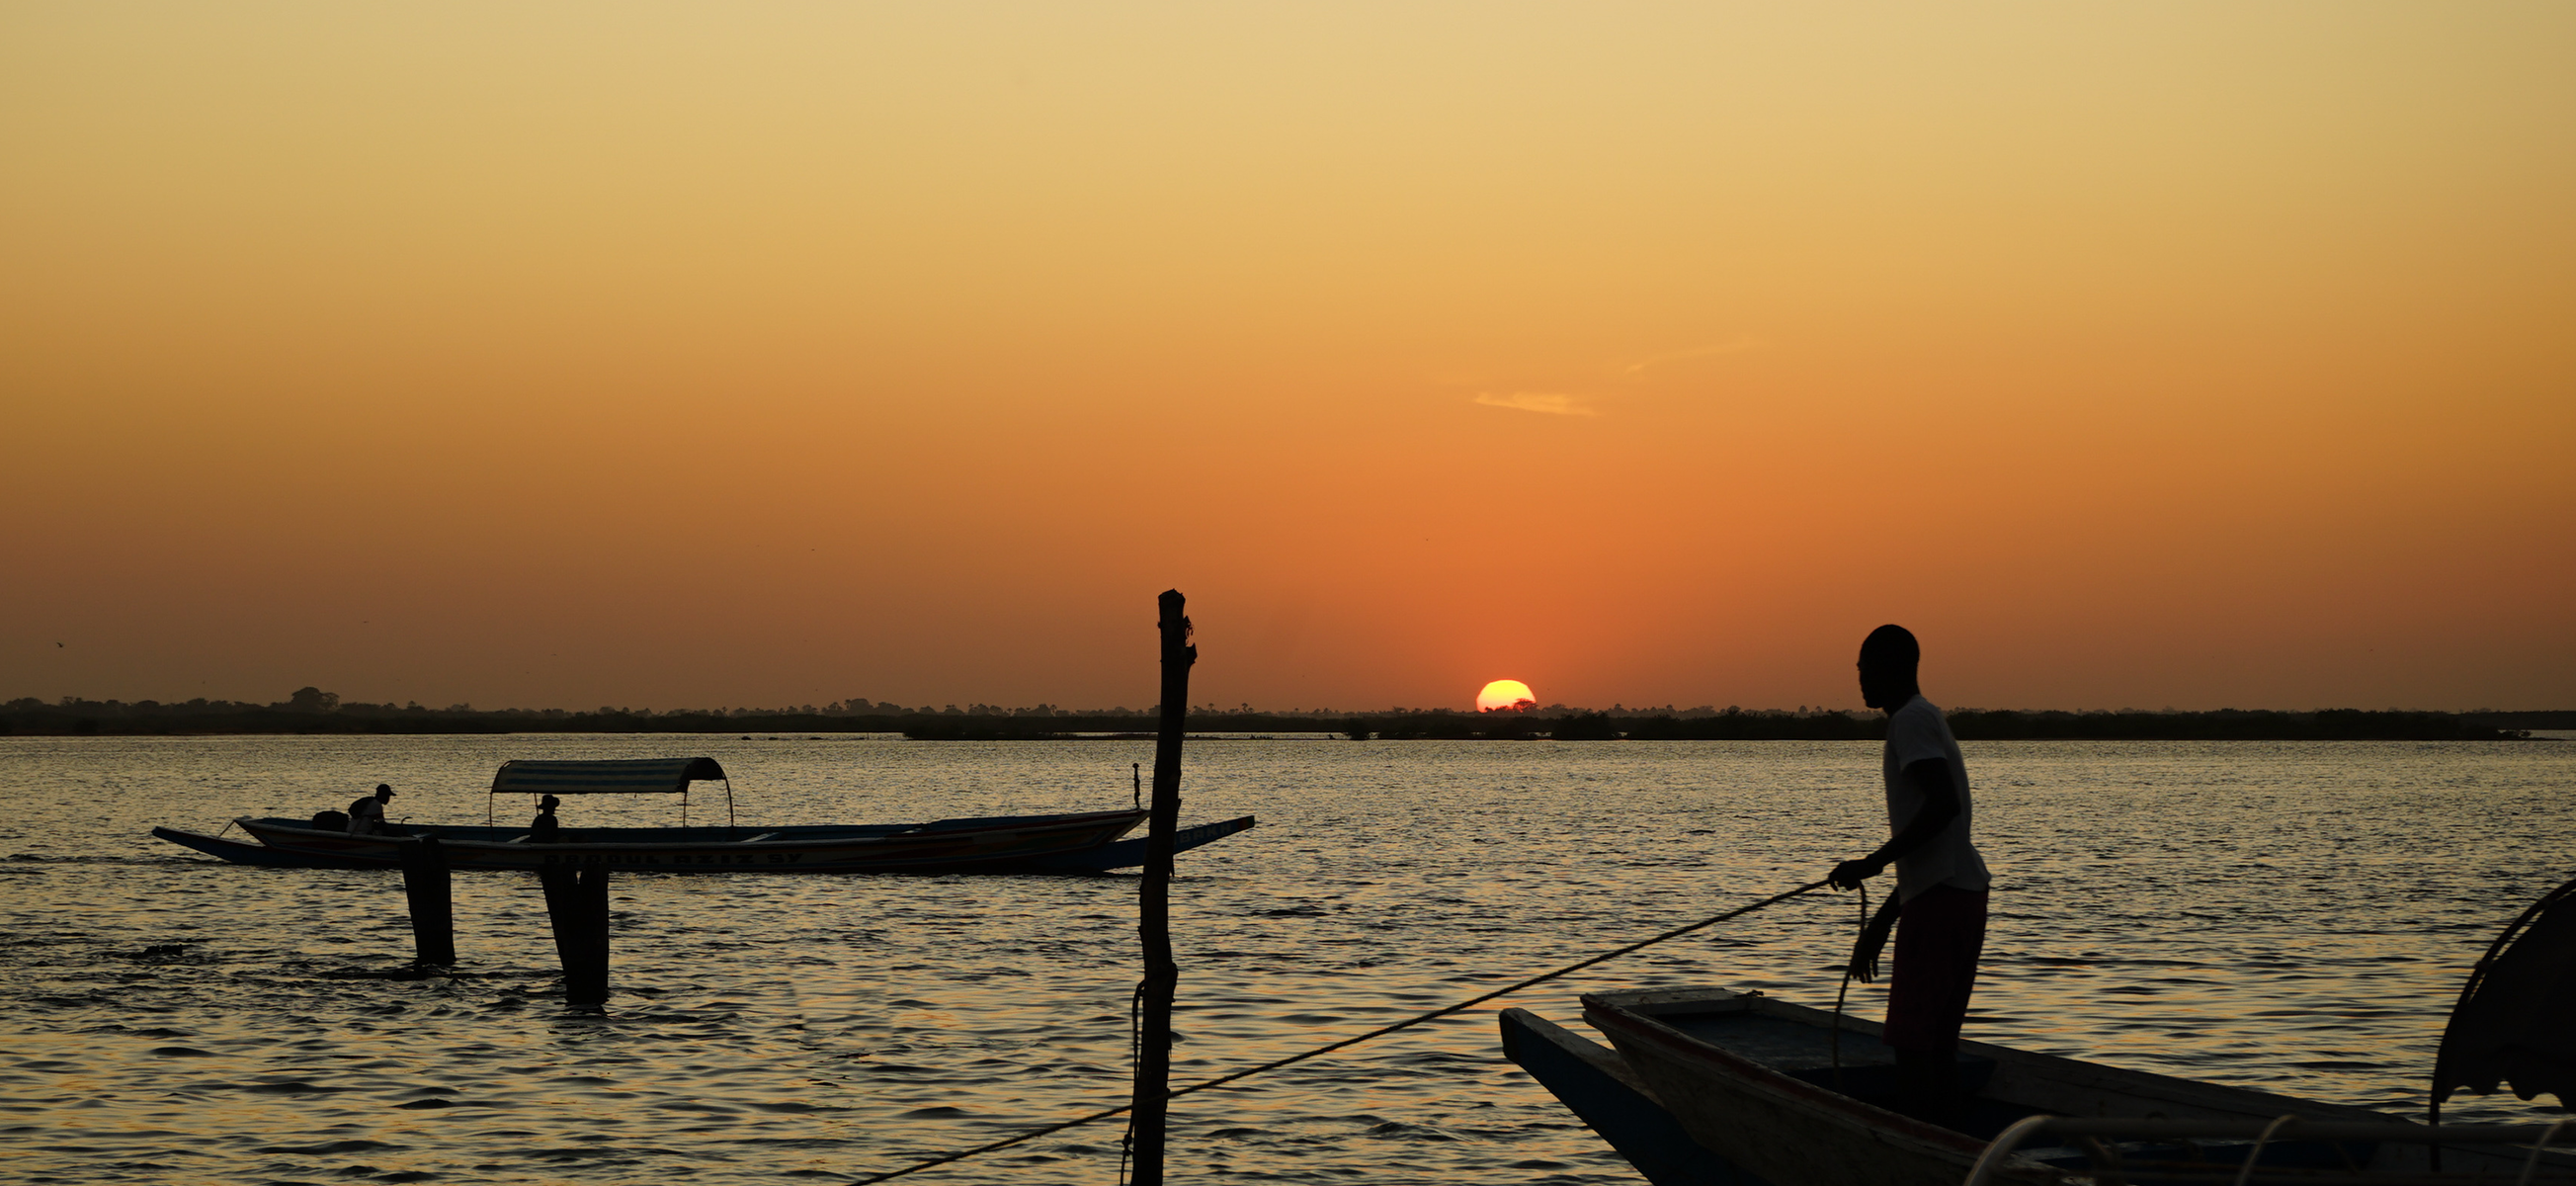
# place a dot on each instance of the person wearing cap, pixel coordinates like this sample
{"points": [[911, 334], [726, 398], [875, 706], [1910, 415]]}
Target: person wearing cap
{"points": [[1938, 908], [544, 829], [367, 812]]}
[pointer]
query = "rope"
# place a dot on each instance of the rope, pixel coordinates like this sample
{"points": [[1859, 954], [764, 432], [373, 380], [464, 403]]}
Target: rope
{"points": [[1381, 1031], [1845, 987], [1135, 1062], [2256, 1153], [2542, 1143]]}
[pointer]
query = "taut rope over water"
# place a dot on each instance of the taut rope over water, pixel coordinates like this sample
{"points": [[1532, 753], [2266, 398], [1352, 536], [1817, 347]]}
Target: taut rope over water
{"points": [[1354, 1040]]}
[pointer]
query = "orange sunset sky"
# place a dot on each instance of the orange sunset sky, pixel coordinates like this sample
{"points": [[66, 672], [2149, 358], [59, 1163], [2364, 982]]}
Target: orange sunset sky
{"points": [[692, 355]]}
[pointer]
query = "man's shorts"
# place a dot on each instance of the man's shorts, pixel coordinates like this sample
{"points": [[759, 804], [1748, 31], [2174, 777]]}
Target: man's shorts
{"points": [[1939, 935]]}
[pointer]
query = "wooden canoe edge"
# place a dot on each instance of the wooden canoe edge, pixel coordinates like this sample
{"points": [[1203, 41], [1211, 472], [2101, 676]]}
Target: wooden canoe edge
{"points": [[1602, 1091], [1526, 1024], [2012, 1062], [1889, 1128]]}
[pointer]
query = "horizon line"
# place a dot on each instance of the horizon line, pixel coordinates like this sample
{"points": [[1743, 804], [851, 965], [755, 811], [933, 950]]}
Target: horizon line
{"points": [[324, 702]]}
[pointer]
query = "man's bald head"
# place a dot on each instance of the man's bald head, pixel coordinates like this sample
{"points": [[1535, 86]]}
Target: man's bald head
{"points": [[1891, 646], [1888, 659]]}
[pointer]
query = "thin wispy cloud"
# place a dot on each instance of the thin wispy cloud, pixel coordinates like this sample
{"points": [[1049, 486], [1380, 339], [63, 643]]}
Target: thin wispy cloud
{"points": [[1553, 403], [1737, 346]]}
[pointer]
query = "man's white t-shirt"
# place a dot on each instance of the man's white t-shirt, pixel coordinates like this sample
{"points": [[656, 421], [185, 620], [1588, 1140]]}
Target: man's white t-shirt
{"points": [[367, 817], [1915, 732]]}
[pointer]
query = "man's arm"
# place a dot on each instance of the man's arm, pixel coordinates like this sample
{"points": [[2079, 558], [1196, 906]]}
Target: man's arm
{"points": [[1931, 776]]}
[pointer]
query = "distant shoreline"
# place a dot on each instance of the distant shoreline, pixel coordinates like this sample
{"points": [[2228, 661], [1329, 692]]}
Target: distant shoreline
{"points": [[153, 720]]}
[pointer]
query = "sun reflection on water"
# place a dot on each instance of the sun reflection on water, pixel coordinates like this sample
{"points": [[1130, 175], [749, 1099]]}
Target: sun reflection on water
{"points": [[2291, 917]]}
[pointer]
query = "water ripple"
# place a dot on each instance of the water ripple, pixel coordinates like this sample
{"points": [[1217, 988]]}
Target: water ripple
{"points": [[2289, 917]]}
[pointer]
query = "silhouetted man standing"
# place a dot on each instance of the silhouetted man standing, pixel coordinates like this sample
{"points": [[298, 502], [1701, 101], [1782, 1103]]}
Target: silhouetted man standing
{"points": [[1939, 907]]}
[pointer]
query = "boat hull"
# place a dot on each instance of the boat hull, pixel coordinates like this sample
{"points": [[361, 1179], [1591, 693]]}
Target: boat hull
{"points": [[243, 852], [1771, 1092], [1774, 1127], [1600, 1089], [1130, 853], [994, 844]]}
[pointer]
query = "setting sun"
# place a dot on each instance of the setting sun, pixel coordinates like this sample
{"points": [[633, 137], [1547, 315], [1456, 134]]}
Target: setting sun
{"points": [[1505, 695]]}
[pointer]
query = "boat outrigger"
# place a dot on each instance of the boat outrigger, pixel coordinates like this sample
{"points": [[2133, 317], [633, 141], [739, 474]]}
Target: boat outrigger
{"points": [[1076, 842]]}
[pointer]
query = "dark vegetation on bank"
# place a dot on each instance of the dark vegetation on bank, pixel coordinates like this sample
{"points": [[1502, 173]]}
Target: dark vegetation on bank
{"points": [[311, 711]]}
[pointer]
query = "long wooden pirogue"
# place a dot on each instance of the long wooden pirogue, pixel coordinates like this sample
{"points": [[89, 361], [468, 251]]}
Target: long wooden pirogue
{"points": [[1707, 1087], [1070, 842]]}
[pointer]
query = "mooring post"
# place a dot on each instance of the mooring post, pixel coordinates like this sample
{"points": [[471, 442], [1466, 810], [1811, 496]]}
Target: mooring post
{"points": [[433, 908], [577, 905], [1154, 901]]}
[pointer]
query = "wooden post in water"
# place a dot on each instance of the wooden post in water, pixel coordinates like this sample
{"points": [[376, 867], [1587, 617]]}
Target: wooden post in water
{"points": [[577, 905], [1154, 901], [433, 908]]}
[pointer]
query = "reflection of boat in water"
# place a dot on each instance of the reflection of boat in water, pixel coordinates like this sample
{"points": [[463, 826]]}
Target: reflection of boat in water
{"points": [[1071, 842], [1707, 1087]]}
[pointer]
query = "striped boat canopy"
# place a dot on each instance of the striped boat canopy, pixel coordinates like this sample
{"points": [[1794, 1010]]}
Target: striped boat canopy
{"points": [[633, 776]]}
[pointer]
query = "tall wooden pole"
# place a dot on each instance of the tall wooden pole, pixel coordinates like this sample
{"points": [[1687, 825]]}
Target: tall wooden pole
{"points": [[1154, 901]]}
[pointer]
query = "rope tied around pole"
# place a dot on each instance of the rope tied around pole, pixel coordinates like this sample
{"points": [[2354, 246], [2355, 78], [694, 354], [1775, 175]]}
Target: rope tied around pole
{"points": [[1381, 1031]]}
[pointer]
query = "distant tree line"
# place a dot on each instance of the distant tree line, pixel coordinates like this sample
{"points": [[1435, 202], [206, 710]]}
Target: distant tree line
{"points": [[1735, 724], [311, 710]]}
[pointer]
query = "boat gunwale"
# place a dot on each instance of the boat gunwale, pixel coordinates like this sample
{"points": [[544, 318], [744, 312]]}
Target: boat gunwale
{"points": [[920, 832], [1100, 857], [2189, 1092], [1787, 1089], [1635, 1016]]}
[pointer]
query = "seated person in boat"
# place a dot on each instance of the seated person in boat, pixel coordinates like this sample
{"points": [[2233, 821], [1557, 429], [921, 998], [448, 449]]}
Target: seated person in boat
{"points": [[367, 812], [545, 829], [1939, 905]]}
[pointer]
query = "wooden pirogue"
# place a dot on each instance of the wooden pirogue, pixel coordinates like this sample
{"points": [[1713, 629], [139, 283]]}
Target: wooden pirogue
{"points": [[1069, 842], [1708, 1087]]}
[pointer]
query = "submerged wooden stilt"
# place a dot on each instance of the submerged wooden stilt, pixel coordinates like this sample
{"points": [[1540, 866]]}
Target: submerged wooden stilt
{"points": [[577, 905], [433, 907], [1154, 907]]}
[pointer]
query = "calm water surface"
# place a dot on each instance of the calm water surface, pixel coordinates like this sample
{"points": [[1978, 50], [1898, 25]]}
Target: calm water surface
{"points": [[2296, 917]]}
